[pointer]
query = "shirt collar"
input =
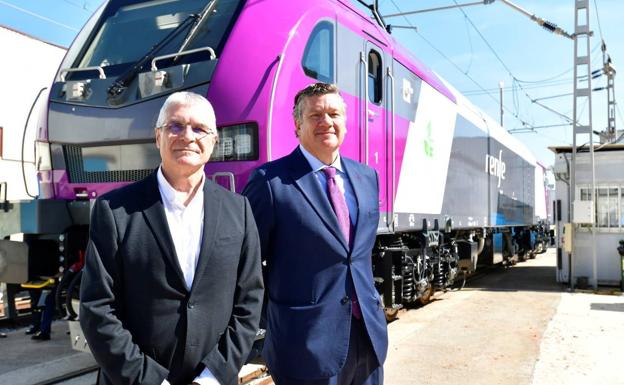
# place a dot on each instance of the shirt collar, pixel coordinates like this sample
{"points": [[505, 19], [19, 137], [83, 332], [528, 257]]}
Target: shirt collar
{"points": [[317, 165], [171, 195]]}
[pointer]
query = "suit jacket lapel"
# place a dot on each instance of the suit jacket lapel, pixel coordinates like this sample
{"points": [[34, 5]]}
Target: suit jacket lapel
{"points": [[309, 186], [359, 192], [212, 213], [157, 222]]}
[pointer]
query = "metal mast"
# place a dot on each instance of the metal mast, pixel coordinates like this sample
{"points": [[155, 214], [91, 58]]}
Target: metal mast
{"points": [[582, 97], [609, 70]]}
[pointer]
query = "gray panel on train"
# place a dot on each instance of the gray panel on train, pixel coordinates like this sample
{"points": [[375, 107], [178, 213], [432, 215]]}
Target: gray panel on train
{"points": [[78, 124], [513, 201], [348, 48], [406, 92], [466, 192], [471, 184]]}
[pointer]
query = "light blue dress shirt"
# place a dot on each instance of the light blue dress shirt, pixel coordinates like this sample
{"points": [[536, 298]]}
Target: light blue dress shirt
{"points": [[342, 181]]}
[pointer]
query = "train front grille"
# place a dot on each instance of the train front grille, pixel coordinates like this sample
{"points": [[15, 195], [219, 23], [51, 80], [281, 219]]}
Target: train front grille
{"points": [[108, 165]]}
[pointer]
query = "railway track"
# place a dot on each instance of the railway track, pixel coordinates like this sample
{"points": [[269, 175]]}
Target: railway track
{"points": [[69, 375], [482, 272]]}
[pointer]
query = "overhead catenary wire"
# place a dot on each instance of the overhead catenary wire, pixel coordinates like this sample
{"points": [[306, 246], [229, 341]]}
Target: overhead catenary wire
{"points": [[549, 78], [512, 113], [542, 134], [555, 96], [598, 20], [470, 44], [554, 83], [543, 83], [487, 43], [523, 130], [77, 5], [19, 9]]}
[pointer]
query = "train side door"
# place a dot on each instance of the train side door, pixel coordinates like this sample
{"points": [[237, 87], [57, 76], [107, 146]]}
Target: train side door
{"points": [[375, 121]]}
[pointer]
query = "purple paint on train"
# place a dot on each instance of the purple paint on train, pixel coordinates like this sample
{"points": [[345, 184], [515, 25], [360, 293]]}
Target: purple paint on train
{"points": [[256, 80], [67, 190], [243, 89]]}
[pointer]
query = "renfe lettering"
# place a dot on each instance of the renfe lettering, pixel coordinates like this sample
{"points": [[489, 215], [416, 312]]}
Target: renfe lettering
{"points": [[495, 166]]}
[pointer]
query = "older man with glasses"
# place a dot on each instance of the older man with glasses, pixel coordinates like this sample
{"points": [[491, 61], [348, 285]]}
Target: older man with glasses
{"points": [[172, 286]]}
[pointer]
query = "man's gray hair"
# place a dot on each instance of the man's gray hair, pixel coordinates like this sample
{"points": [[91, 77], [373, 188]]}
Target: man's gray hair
{"points": [[315, 89], [184, 98]]}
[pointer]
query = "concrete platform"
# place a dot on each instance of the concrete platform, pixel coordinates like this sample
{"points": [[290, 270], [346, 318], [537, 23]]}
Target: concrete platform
{"points": [[513, 326], [26, 361]]}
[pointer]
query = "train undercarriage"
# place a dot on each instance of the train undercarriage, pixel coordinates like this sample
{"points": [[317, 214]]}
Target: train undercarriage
{"points": [[410, 267]]}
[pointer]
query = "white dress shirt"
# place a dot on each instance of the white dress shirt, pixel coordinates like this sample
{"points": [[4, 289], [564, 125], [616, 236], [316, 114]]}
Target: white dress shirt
{"points": [[342, 180], [186, 225]]}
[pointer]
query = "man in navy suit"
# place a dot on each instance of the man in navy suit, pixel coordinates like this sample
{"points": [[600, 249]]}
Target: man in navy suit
{"points": [[317, 216]]}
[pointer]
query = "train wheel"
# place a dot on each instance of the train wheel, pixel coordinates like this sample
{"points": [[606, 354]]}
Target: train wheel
{"points": [[460, 280], [391, 314], [425, 298], [522, 256]]}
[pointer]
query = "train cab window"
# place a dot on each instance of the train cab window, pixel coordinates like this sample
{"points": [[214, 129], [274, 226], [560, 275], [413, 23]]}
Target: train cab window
{"points": [[318, 57], [374, 77], [129, 29]]}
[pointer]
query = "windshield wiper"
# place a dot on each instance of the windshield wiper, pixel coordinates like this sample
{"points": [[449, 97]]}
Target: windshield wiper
{"points": [[198, 22], [124, 79]]}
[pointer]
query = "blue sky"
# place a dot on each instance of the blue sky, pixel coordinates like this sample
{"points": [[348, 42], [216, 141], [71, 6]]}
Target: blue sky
{"points": [[54, 21], [485, 44], [473, 50]]}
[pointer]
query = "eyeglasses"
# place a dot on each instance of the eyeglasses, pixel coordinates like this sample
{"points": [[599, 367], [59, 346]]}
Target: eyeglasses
{"points": [[199, 132]]}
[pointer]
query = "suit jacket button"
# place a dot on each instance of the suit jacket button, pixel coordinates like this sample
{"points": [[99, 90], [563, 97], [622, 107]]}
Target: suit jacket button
{"points": [[344, 300], [191, 305]]}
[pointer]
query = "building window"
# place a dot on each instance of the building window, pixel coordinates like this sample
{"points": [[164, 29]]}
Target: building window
{"points": [[614, 218], [621, 207], [318, 57], [609, 206], [602, 207]]}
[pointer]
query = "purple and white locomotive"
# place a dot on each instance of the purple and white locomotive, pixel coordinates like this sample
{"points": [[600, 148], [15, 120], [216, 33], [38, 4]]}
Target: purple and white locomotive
{"points": [[456, 190]]}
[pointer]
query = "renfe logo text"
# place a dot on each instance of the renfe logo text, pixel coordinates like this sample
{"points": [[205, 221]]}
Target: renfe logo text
{"points": [[495, 167]]}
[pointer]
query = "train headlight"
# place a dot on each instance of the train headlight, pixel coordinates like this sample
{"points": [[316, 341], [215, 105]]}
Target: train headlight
{"points": [[236, 142], [243, 144]]}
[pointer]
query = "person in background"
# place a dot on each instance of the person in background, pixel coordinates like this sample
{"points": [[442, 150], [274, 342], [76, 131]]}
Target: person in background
{"points": [[42, 308]]}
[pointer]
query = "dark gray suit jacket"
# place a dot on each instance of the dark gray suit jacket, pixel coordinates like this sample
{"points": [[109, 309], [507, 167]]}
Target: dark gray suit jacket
{"points": [[140, 321]]}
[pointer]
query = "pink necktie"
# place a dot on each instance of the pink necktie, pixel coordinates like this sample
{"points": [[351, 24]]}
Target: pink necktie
{"points": [[339, 204]]}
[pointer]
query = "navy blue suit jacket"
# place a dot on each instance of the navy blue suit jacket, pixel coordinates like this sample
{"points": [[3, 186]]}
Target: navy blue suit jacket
{"points": [[311, 270]]}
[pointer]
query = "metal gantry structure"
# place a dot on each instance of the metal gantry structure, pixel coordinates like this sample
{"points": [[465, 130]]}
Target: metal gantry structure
{"points": [[609, 71], [581, 130]]}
